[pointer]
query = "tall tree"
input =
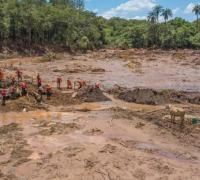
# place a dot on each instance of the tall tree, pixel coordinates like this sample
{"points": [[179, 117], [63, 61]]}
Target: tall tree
{"points": [[196, 10], [152, 17], [166, 14], [157, 10]]}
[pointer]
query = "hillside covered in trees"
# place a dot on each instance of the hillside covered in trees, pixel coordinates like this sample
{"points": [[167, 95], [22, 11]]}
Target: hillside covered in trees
{"points": [[65, 24]]}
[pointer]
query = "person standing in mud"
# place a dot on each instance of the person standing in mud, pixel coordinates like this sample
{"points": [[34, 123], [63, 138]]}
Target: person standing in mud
{"points": [[48, 91], [13, 92], [38, 77], [13, 80], [97, 85], [39, 82], [19, 75], [3, 94], [69, 84], [59, 81], [40, 92], [24, 88]]}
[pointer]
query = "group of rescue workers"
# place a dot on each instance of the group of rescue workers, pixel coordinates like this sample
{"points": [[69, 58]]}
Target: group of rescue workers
{"points": [[13, 86]]}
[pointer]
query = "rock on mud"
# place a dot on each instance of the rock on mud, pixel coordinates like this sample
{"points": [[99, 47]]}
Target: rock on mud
{"points": [[155, 97], [144, 96], [90, 94]]}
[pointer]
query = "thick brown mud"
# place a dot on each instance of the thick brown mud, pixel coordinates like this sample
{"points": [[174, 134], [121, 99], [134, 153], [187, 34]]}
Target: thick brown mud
{"points": [[109, 133], [155, 97]]}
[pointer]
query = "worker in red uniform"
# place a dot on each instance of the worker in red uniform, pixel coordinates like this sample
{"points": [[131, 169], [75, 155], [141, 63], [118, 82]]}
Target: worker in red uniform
{"points": [[24, 88], [97, 85], [13, 80], [38, 76], [1, 75], [80, 84], [48, 91], [59, 81], [13, 92], [39, 82], [3, 94], [83, 83], [19, 75], [69, 84]]}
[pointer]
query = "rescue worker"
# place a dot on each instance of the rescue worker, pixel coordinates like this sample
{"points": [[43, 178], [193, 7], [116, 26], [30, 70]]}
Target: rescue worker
{"points": [[97, 85], [80, 84], [83, 83], [40, 90], [59, 80], [69, 84], [24, 88], [38, 77], [19, 75], [39, 82], [13, 92], [1, 75], [13, 80], [48, 91], [3, 94]]}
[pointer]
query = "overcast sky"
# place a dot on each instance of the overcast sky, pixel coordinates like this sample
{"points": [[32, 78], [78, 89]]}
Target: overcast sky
{"points": [[138, 9]]}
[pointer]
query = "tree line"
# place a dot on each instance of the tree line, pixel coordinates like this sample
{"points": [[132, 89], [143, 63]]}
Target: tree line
{"points": [[34, 25], [158, 31]]}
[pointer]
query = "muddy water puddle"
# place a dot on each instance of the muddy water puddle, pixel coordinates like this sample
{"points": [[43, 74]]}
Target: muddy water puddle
{"points": [[25, 117]]}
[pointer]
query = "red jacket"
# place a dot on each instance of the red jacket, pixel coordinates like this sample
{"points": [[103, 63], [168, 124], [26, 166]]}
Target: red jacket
{"points": [[3, 92], [97, 85], [19, 73], [69, 83], [23, 85], [12, 89], [59, 80], [48, 88]]}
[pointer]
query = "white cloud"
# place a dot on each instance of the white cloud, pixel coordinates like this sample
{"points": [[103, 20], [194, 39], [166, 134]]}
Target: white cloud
{"points": [[140, 17], [95, 10], [175, 10], [130, 6], [189, 8]]}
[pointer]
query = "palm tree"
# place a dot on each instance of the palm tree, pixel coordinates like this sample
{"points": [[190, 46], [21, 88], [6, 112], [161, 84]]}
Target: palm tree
{"points": [[151, 17], [157, 10], [166, 14], [196, 10]]}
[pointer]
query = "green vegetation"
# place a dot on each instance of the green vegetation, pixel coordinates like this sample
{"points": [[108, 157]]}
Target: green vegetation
{"points": [[34, 25]]}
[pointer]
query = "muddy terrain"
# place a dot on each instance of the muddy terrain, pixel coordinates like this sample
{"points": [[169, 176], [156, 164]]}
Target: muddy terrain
{"points": [[122, 131]]}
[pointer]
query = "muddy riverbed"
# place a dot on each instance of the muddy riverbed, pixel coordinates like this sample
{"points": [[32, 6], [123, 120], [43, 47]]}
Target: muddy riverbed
{"points": [[113, 134]]}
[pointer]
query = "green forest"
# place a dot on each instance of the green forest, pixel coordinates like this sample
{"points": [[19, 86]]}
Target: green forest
{"points": [[66, 25]]}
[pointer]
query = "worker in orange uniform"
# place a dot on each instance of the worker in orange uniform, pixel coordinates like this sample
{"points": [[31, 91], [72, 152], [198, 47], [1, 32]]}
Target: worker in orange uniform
{"points": [[48, 91], [3, 94], [59, 81], [19, 75], [24, 88], [1, 75], [69, 84]]}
